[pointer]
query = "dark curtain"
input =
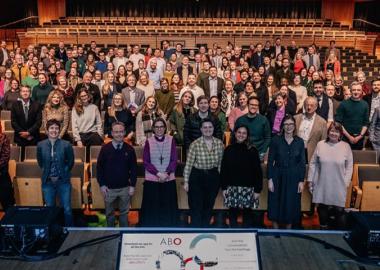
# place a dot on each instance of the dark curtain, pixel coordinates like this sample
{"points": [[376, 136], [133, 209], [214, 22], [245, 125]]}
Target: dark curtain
{"points": [[15, 10], [196, 8], [368, 11]]}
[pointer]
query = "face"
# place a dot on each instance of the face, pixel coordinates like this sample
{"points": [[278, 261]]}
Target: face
{"points": [[303, 72], [118, 132], [207, 129], [376, 86], [284, 90], [159, 128], [253, 106], [338, 81], [248, 87], [266, 60], [62, 83], [334, 135], [8, 73], [270, 80], [168, 67], [144, 80], [310, 106], [214, 103], [203, 105], [110, 77], [186, 99], [14, 85], [185, 61], [153, 64], [213, 72], [279, 101], [53, 132], [87, 78], [131, 81], [191, 80], [98, 75], [330, 90], [297, 80], [361, 78], [285, 63], [25, 93], [55, 99], [244, 76], [356, 91], [289, 126], [241, 134], [228, 86], [175, 79], [117, 100], [83, 97], [109, 66], [315, 76], [346, 93], [41, 79], [164, 84], [318, 89], [151, 103], [243, 101], [256, 77], [136, 49]]}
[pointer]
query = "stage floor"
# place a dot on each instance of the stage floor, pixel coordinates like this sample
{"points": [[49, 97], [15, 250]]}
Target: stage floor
{"points": [[280, 253]]}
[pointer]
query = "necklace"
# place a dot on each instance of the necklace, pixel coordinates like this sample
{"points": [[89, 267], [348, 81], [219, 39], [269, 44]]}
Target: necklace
{"points": [[161, 150]]}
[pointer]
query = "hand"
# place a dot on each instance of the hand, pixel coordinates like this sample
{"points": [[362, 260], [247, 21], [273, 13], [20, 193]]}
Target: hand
{"points": [[162, 176], [104, 190], [186, 186], [256, 196], [357, 138], [130, 135], [79, 144], [24, 134], [270, 185], [131, 191], [300, 187], [311, 187]]}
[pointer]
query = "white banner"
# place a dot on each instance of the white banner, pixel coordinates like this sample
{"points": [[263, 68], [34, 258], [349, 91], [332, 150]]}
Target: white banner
{"points": [[188, 251]]}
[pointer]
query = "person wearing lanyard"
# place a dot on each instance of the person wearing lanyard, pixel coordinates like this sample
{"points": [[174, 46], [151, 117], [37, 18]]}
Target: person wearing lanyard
{"points": [[201, 174], [56, 159]]}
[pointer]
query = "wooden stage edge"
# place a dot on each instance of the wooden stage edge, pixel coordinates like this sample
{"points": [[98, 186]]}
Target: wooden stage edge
{"points": [[284, 252]]}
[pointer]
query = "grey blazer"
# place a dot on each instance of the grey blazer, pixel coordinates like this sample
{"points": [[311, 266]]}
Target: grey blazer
{"points": [[139, 98], [374, 128]]}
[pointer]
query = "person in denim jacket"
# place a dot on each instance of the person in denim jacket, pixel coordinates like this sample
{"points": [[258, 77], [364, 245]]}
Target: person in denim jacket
{"points": [[56, 159]]}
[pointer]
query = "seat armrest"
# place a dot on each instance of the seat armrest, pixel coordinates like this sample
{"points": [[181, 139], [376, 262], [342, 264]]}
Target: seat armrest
{"points": [[356, 198]]}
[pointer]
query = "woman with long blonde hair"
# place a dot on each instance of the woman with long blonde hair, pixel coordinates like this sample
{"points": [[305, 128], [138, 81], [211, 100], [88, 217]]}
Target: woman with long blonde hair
{"points": [[109, 89], [56, 108]]}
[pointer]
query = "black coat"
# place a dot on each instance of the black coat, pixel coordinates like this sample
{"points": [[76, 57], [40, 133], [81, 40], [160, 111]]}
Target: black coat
{"points": [[290, 108], [179, 71], [205, 85], [191, 130], [254, 61], [263, 96], [32, 125]]}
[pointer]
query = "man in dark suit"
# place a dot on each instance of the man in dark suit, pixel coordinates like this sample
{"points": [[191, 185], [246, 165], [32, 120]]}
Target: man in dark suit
{"points": [[93, 89], [257, 58], [284, 72], [262, 92], [26, 119], [212, 85]]}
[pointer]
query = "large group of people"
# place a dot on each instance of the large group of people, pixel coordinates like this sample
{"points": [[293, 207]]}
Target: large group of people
{"points": [[286, 103]]}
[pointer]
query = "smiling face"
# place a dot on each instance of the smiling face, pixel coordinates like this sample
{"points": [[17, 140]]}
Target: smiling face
{"points": [[207, 129], [279, 101], [159, 128], [289, 126], [55, 99], [356, 91], [203, 105], [42, 78], [53, 132], [118, 132], [214, 103], [334, 135], [241, 135], [151, 103], [253, 106], [186, 98]]}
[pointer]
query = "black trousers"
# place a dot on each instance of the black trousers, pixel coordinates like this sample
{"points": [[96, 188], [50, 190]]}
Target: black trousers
{"points": [[332, 216], [91, 138], [6, 189], [247, 217], [203, 188]]}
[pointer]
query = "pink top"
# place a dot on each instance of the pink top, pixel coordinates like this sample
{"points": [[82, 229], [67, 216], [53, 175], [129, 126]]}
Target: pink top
{"points": [[234, 115], [2, 88]]}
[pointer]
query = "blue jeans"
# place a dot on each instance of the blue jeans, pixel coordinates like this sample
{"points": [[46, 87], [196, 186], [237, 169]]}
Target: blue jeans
{"points": [[63, 189]]}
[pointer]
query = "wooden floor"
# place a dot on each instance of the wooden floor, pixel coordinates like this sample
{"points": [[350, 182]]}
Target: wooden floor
{"points": [[276, 253]]}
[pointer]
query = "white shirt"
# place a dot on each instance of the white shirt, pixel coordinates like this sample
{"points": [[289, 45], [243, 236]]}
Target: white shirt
{"points": [[305, 128], [330, 116], [5, 54], [213, 86]]}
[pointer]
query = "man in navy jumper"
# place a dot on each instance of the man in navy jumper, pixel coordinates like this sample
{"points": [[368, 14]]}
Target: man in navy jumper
{"points": [[117, 175]]}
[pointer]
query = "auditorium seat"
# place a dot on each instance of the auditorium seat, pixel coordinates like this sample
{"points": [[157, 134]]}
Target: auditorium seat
{"points": [[5, 115], [94, 152], [27, 185], [366, 195], [365, 157], [15, 157]]}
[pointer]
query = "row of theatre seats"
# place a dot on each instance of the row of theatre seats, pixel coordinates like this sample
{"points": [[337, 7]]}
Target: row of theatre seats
{"points": [[363, 193], [197, 21]]}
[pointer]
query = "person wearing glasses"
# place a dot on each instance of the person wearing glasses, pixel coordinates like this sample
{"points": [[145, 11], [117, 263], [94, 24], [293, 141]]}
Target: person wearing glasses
{"points": [[159, 204], [286, 174]]}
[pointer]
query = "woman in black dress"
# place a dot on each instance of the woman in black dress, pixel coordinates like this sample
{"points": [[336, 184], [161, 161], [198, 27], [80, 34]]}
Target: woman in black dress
{"points": [[241, 176], [286, 174]]}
